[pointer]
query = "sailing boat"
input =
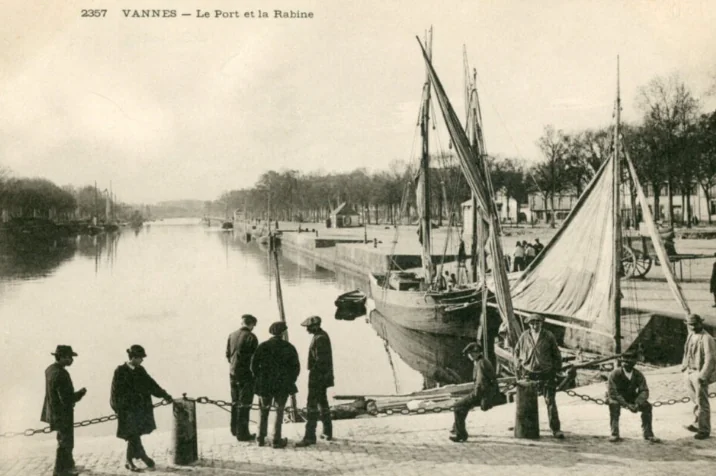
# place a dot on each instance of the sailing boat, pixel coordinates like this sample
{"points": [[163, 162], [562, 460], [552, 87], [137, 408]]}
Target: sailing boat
{"points": [[416, 302], [576, 281]]}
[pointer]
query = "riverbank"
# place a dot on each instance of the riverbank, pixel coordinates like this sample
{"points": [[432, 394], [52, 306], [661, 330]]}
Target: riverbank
{"points": [[418, 445]]}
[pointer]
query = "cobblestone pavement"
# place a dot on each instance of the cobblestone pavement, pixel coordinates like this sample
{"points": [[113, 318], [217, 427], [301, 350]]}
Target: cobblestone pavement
{"points": [[418, 445]]}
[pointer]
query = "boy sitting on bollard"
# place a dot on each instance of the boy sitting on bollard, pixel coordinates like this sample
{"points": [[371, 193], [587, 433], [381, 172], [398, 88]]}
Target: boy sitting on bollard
{"points": [[627, 388]]}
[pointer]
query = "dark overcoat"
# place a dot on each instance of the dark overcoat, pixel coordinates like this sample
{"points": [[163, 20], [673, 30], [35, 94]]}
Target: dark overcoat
{"points": [[275, 367], [131, 399], [320, 361], [240, 348], [713, 279], [60, 397]]}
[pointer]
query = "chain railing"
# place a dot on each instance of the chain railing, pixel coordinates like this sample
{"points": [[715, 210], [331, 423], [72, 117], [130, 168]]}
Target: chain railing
{"points": [[223, 404]]}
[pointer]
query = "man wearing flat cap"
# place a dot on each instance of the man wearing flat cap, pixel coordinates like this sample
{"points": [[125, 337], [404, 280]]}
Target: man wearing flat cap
{"points": [[482, 391], [627, 388], [699, 367], [275, 367], [240, 349], [58, 408], [539, 359], [320, 378]]}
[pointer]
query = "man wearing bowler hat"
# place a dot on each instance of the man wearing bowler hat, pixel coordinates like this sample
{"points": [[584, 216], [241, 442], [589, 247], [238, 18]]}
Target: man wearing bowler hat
{"points": [[627, 388], [240, 349], [699, 367], [275, 367], [482, 391], [539, 359], [320, 378], [59, 408]]}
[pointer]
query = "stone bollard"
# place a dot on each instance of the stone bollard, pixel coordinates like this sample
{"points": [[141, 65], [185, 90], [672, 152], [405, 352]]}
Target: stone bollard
{"points": [[186, 448], [526, 410], [375, 242]]}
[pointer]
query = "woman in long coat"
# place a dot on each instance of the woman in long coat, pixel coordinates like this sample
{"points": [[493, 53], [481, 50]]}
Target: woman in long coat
{"points": [[131, 399]]}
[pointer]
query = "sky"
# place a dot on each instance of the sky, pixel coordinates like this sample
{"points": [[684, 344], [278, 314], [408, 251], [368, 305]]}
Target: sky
{"points": [[188, 108]]}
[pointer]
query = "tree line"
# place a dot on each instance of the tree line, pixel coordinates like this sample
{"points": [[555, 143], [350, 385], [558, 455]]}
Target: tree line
{"points": [[673, 148]]}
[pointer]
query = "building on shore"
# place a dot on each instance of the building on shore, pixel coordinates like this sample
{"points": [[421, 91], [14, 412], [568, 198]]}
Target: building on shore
{"points": [[508, 209], [345, 216]]}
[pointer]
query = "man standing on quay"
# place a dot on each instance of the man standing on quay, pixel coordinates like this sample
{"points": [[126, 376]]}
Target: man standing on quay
{"points": [[275, 367], [699, 367], [539, 360], [239, 350], [59, 408], [320, 378]]}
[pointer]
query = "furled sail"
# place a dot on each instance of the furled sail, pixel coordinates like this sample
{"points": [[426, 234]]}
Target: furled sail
{"points": [[468, 157]]}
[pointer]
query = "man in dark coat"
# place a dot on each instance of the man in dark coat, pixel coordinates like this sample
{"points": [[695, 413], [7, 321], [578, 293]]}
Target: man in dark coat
{"points": [[626, 387], [320, 378], [240, 349], [131, 398], [539, 359], [58, 408], [275, 367], [482, 392]]}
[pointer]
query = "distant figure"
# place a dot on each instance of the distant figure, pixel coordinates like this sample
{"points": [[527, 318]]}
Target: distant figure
{"points": [[461, 255], [538, 246], [699, 367], [320, 378], [713, 283], [530, 254], [58, 408], [447, 280], [275, 367], [518, 260], [277, 224], [539, 360], [626, 387], [441, 282], [131, 398], [240, 349], [453, 280], [328, 222], [482, 391]]}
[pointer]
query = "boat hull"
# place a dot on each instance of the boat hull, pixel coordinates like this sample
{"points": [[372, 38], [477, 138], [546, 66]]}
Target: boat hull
{"points": [[455, 313]]}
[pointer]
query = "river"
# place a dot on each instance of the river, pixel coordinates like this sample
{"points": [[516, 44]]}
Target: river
{"points": [[178, 288]]}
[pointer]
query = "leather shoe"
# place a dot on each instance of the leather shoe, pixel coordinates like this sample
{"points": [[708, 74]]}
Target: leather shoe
{"points": [[279, 444], [558, 434], [148, 461], [701, 436], [692, 428], [304, 442], [326, 437], [130, 466], [615, 439], [249, 437], [458, 438], [652, 439], [261, 441]]}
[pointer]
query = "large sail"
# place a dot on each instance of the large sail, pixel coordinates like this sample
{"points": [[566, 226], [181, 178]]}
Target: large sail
{"points": [[468, 158]]}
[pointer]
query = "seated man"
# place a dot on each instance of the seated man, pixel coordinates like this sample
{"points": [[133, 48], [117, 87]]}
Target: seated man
{"points": [[627, 388]]}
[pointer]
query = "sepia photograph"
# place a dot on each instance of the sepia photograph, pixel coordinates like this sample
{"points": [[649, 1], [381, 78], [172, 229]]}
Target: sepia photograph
{"points": [[321, 237]]}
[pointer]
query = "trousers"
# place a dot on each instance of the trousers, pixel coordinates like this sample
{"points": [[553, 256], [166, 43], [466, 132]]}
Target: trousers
{"points": [[462, 408], [646, 418], [65, 444], [265, 401], [135, 449], [699, 394], [242, 396], [317, 404]]}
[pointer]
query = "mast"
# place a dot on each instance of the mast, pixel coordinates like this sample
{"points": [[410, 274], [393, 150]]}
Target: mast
{"points": [[425, 169], [617, 248]]}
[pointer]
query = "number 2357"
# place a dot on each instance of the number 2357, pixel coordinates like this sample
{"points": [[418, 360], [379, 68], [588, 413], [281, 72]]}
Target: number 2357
{"points": [[93, 13]]}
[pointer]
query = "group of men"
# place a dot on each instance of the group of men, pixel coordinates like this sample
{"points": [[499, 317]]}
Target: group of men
{"points": [[524, 254], [538, 360], [270, 370]]}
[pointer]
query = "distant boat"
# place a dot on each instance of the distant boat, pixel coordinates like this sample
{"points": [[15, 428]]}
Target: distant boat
{"points": [[227, 225], [351, 299]]}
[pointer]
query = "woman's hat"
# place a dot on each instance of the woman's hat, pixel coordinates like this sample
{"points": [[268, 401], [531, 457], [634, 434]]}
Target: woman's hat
{"points": [[277, 328], [64, 351], [136, 351]]}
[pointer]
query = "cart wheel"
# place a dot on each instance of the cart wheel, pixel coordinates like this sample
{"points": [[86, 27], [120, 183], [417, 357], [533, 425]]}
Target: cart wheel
{"points": [[635, 264]]}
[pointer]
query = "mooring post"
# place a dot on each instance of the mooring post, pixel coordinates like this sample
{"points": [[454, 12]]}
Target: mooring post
{"points": [[526, 410], [186, 448]]}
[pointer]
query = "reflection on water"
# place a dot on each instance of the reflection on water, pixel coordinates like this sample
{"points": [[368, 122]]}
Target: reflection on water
{"points": [[179, 289], [437, 357]]}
